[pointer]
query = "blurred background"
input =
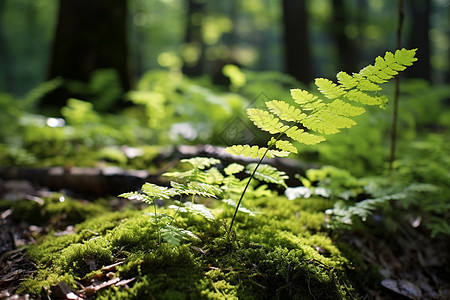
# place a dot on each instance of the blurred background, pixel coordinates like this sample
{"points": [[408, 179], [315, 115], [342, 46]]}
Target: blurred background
{"points": [[43, 39], [81, 79]]}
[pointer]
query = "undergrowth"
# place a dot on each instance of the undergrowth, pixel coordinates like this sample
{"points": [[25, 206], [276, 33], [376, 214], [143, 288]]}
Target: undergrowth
{"points": [[269, 258]]}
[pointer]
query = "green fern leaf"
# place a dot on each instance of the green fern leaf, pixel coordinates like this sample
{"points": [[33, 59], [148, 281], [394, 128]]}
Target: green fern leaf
{"points": [[204, 189], [285, 146], [137, 196], [174, 235], [344, 109], [265, 121], [385, 72], [201, 162], [233, 168], [255, 151], [392, 62], [329, 89], [268, 174], [302, 97], [374, 74], [303, 137], [156, 191], [191, 175], [213, 176], [365, 84], [195, 209], [347, 81], [363, 98], [285, 111], [150, 192], [405, 57], [327, 122], [196, 188]]}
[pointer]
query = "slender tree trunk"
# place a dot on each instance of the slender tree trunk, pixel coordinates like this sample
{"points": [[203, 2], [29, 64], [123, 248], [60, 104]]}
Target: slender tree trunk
{"points": [[90, 35], [193, 66], [6, 75], [298, 58], [347, 55], [420, 17]]}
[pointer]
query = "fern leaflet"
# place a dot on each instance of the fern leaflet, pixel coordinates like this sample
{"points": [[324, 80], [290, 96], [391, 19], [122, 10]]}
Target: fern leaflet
{"points": [[265, 121], [268, 174], [285, 111]]}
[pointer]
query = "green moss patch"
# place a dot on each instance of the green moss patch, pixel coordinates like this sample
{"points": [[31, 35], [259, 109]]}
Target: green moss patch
{"points": [[282, 253]]}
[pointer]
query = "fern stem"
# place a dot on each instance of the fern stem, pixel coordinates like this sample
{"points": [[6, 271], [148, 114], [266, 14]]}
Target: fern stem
{"points": [[248, 183], [243, 192]]}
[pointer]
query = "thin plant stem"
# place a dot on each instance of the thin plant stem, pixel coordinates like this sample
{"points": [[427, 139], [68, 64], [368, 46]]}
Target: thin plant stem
{"points": [[248, 182], [245, 189]]}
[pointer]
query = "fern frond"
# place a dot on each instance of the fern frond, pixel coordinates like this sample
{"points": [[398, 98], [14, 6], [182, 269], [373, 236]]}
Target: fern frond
{"points": [[137, 196], [196, 188], [344, 109], [265, 121], [255, 151], [329, 89], [302, 97], [150, 192], [392, 62], [285, 111], [285, 146], [156, 191], [365, 84], [363, 98], [301, 136], [233, 168], [191, 175], [204, 189], [405, 57], [327, 122], [374, 74], [213, 176], [346, 81], [268, 174], [174, 235], [201, 162], [195, 209]]}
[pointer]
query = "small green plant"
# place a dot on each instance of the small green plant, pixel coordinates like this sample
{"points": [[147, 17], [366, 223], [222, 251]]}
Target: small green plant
{"points": [[203, 180], [326, 113], [304, 122]]}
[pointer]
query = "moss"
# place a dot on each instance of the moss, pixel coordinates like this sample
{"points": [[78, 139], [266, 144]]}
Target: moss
{"points": [[281, 253], [57, 210]]}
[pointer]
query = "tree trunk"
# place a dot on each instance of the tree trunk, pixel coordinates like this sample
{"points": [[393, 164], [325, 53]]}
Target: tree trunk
{"points": [[6, 74], [90, 35], [420, 17], [347, 56], [193, 66], [298, 58]]}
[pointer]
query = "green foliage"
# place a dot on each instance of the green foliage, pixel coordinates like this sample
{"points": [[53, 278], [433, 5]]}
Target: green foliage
{"points": [[267, 173], [319, 115], [326, 115], [280, 245]]}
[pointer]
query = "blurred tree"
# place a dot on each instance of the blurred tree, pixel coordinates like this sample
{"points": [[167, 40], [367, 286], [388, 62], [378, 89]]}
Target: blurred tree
{"points": [[347, 54], [298, 58], [90, 35], [419, 38], [194, 48], [5, 60]]}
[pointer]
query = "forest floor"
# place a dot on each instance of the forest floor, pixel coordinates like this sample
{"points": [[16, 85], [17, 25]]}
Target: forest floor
{"points": [[410, 264]]}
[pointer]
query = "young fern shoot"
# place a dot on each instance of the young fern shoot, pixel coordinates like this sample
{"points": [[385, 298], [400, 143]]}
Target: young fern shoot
{"points": [[313, 116]]}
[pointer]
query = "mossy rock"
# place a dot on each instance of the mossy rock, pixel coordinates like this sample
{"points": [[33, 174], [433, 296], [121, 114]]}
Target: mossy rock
{"points": [[283, 252]]}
